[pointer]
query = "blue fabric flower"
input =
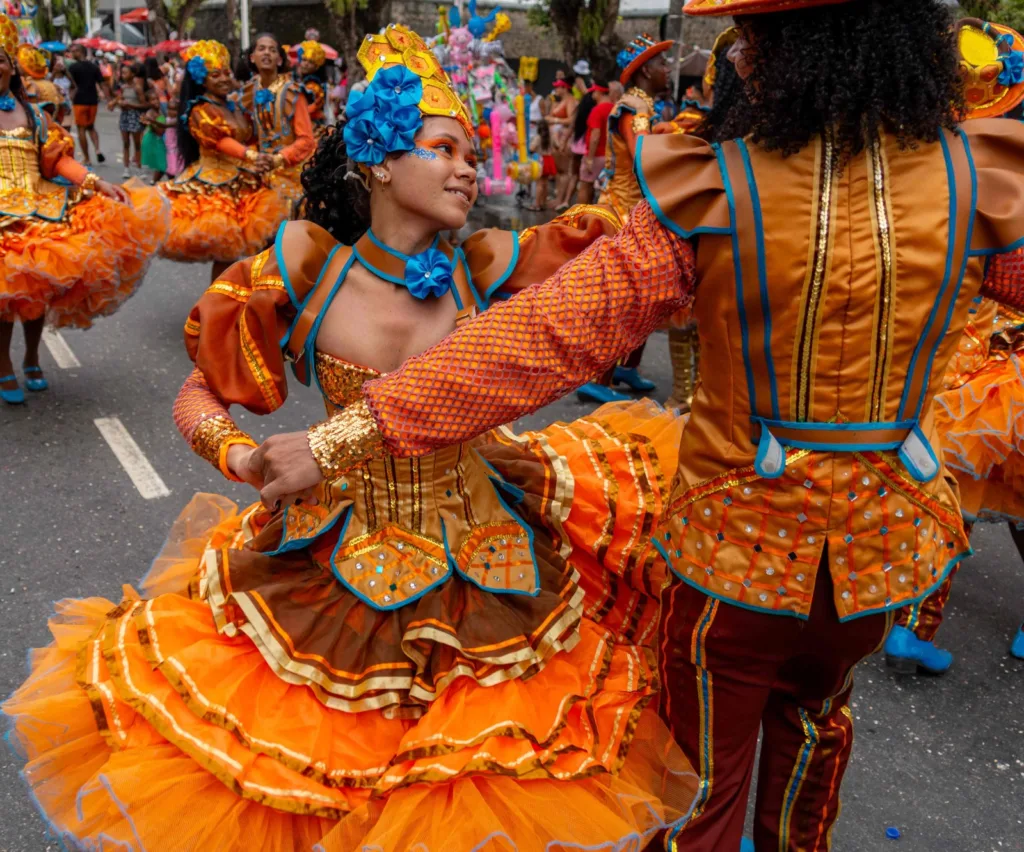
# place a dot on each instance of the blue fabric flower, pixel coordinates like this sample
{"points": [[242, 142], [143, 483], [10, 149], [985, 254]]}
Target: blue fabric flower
{"points": [[1013, 68], [264, 97], [360, 103], [397, 84], [428, 273], [197, 69], [369, 141], [407, 122]]}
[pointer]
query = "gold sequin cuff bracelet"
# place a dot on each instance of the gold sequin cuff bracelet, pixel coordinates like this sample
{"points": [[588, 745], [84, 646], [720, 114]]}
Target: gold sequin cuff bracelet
{"points": [[279, 161], [91, 179], [251, 155], [345, 440], [213, 438]]}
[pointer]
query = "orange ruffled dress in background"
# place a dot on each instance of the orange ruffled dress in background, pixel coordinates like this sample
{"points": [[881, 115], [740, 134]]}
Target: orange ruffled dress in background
{"points": [[446, 654], [221, 211], [67, 254], [980, 414]]}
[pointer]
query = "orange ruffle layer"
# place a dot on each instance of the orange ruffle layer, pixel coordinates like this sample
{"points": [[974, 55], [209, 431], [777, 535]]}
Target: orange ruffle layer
{"points": [[982, 428], [222, 225], [83, 267], [137, 715]]}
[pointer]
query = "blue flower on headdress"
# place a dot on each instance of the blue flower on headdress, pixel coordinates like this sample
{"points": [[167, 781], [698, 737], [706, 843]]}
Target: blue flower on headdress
{"points": [[263, 97], [397, 84], [428, 273], [368, 141], [1013, 68], [197, 69], [624, 58], [360, 103]]}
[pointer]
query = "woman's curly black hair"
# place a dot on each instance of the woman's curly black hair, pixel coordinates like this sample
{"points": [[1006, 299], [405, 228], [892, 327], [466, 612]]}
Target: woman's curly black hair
{"points": [[333, 201], [859, 68], [729, 95]]}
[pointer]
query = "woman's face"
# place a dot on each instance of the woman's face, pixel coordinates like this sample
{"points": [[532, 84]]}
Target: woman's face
{"points": [[437, 179], [306, 68], [265, 55], [6, 71], [126, 74], [220, 82]]}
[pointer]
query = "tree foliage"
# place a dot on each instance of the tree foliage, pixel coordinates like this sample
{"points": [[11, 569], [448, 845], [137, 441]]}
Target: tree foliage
{"points": [[1008, 12], [74, 21], [586, 29], [353, 19]]}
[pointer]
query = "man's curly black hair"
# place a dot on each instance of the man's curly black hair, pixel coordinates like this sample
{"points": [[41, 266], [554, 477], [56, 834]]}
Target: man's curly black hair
{"points": [[340, 205], [859, 67]]}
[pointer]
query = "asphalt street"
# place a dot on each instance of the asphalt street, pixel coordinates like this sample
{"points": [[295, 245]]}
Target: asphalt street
{"points": [[940, 759]]}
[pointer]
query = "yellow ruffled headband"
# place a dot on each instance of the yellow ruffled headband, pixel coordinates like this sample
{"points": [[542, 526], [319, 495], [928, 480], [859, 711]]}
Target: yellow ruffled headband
{"points": [[399, 46], [312, 51], [205, 56], [32, 61]]}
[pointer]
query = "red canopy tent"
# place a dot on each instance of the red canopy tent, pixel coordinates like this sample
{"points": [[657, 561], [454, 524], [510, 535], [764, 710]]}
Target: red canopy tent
{"points": [[136, 16]]}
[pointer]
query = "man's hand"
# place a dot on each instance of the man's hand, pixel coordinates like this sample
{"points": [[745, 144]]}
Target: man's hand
{"points": [[286, 466]]}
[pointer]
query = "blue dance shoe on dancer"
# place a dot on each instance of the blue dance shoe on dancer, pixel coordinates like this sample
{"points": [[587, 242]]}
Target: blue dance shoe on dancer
{"points": [[907, 654], [746, 845], [631, 376], [1017, 646], [594, 392], [37, 384], [15, 396]]}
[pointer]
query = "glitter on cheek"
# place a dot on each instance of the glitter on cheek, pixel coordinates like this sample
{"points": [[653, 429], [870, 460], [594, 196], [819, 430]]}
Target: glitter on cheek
{"points": [[423, 154]]}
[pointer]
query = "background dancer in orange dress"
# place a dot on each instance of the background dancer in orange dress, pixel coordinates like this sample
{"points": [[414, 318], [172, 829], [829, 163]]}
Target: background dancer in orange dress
{"points": [[222, 206], [70, 251]]}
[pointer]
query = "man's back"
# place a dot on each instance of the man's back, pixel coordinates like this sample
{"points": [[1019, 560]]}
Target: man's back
{"points": [[87, 77]]}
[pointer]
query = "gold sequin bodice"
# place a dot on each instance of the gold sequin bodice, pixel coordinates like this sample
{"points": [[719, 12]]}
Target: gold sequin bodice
{"points": [[19, 160], [341, 381]]}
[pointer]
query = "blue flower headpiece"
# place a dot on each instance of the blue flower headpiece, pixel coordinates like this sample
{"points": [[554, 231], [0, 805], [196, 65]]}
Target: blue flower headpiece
{"points": [[1013, 61], [386, 117], [197, 69]]}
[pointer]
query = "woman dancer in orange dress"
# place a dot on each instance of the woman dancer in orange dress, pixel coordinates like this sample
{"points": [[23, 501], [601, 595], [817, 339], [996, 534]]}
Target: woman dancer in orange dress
{"points": [[222, 206], [70, 251], [448, 654]]}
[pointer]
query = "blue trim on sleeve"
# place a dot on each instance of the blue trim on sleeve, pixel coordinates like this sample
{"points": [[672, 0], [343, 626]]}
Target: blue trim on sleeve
{"points": [[951, 247], [489, 293], [762, 275], [279, 255], [738, 269], [1005, 250], [656, 207], [309, 295], [963, 266], [310, 347]]}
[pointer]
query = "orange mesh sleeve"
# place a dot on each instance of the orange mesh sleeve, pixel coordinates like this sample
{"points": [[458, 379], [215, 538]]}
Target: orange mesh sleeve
{"points": [[69, 168], [1004, 279], [539, 345], [205, 423]]}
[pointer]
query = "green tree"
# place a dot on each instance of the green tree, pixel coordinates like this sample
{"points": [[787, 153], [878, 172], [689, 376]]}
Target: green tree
{"points": [[74, 20], [1008, 12], [353, 19], [586, 29], [167, 16]]}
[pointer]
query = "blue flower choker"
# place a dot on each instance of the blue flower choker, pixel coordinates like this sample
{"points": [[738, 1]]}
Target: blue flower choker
{"points": [[8, 103], [429, 274]]}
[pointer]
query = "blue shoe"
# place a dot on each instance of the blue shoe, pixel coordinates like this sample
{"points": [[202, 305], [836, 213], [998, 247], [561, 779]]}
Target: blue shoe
{"points": [[35, 385], [593, 392], [907, 654], [631, 376], [12, 397], [1017, 646], [746, 845]]}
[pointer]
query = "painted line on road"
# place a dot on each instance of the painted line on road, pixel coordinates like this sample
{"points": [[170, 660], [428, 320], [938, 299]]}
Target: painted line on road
{"points": [[132, 459], [60, 350]]}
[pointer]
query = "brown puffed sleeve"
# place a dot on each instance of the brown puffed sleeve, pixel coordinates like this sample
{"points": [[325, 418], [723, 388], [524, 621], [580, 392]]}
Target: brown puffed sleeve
{"points": [[997, 149], [56, 143], [501, 263], [680, 178]]}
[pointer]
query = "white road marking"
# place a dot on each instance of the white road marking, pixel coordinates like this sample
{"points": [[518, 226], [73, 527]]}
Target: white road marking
{"points": [[60, 350], [132, 459]]}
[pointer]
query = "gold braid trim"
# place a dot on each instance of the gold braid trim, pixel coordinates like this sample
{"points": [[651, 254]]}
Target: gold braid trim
{"points": [[212, 439], [345, 440]]}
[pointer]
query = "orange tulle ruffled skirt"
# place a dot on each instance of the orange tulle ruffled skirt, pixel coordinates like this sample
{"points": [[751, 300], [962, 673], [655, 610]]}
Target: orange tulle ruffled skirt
{"points": [[221, 224], [84, 266], [153, 725]]}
